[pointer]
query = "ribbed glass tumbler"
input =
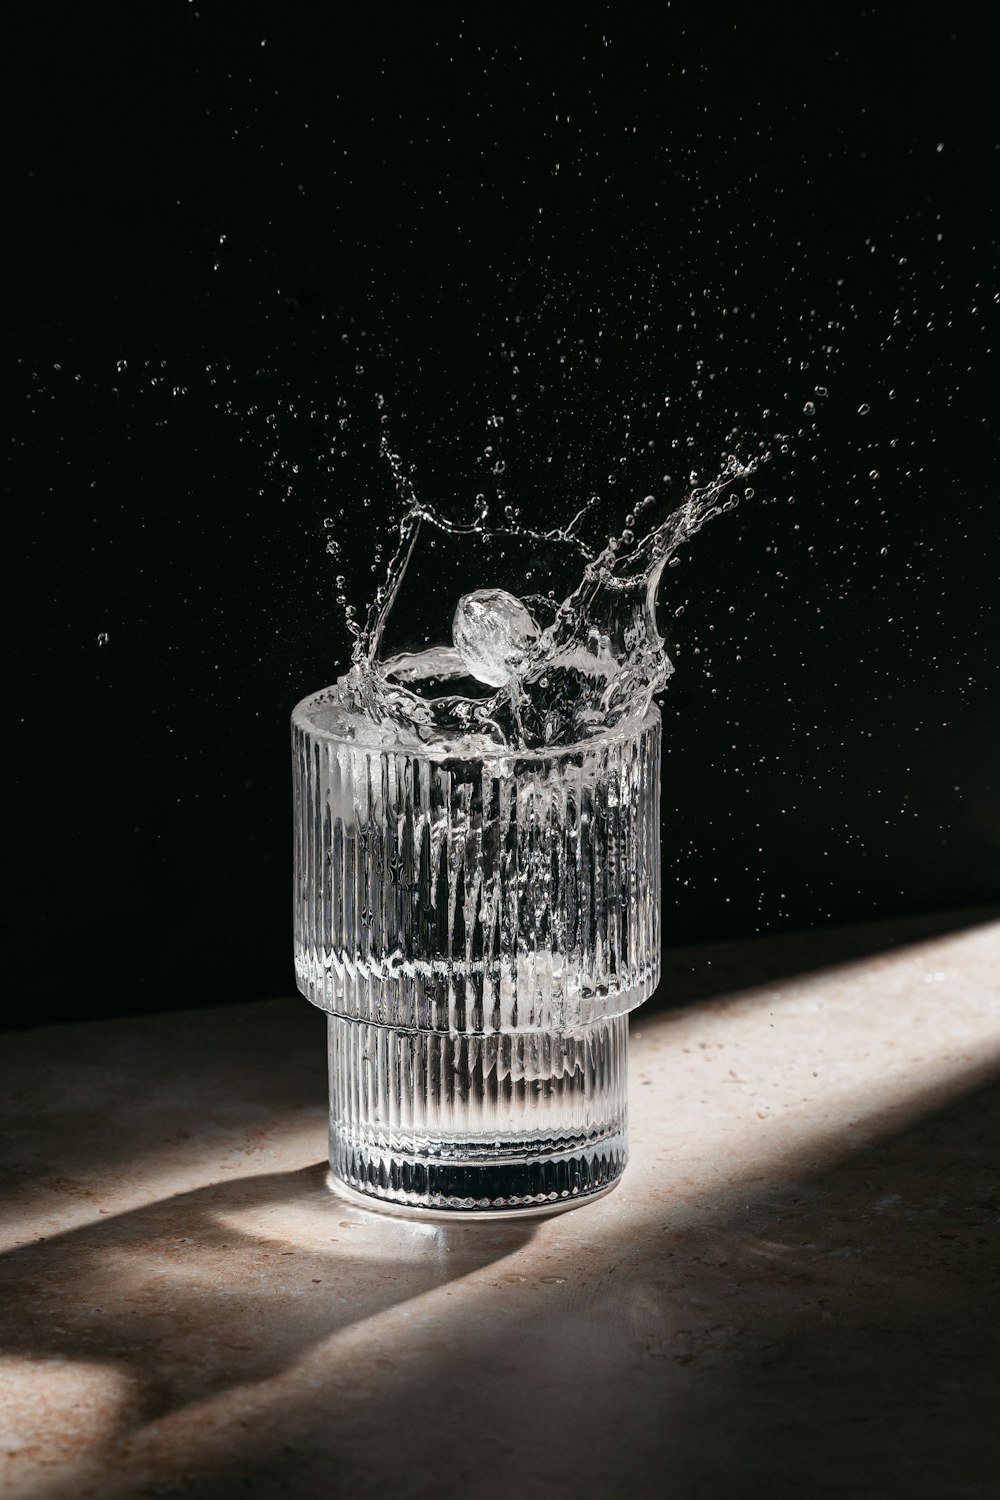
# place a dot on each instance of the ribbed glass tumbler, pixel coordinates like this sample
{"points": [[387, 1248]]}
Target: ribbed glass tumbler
{"points": [[477, 928]]}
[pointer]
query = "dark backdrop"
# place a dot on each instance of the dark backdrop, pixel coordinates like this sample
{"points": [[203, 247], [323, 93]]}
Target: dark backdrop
{"points": [[630, 233]]}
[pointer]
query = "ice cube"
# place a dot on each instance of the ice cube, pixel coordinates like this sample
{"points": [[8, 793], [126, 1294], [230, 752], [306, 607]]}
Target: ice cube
{"points": [[493, 633]]}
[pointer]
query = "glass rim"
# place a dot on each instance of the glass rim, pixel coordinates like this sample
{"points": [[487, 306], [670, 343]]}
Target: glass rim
{"points": [[379, 742]]}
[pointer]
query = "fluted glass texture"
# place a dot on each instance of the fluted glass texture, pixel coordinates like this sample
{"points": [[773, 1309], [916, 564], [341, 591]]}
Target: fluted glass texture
{"points": [[477, 927]]}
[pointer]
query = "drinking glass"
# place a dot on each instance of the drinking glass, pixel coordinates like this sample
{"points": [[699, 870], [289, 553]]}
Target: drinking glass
{"points": [[477, 927]]}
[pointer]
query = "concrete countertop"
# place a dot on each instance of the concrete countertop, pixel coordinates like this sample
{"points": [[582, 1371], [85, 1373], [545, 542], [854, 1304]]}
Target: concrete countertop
{"points": [[794, 1291]]}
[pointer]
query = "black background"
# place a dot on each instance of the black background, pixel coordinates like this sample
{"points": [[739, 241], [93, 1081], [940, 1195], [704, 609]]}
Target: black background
{"points": [[631, 233]]}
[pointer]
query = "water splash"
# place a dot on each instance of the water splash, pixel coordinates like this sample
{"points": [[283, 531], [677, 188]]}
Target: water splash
{"points": [[532, 672]]}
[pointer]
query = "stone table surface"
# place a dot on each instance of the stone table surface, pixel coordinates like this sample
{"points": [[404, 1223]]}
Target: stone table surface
{"points": [[793, 1292]]}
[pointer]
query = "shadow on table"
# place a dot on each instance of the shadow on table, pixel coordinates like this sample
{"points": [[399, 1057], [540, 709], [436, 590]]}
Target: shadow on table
{"points": [[172, 1090], [226, 1285]]}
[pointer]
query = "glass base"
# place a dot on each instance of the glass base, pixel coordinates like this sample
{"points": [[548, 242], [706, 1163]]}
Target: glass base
{"points": [[478, 1123]]}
